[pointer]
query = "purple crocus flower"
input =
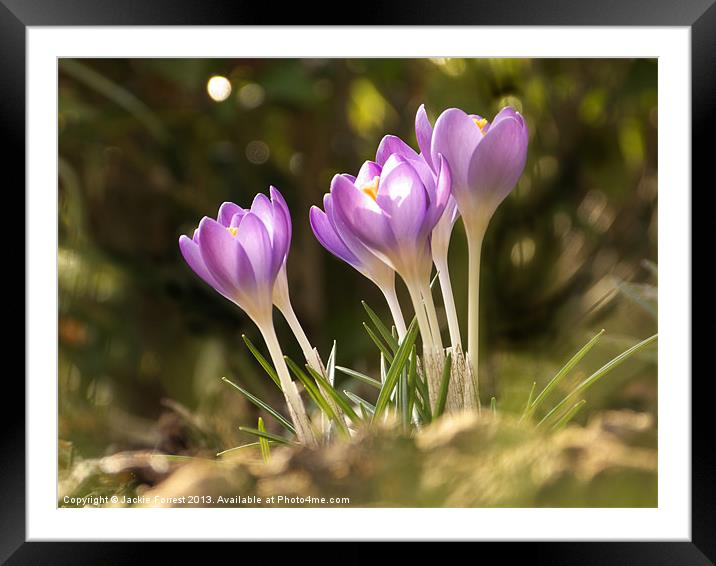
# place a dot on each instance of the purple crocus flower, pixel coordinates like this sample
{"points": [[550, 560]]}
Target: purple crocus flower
{"points": [[486, 159], [391, 208], [241, 254], [338, 238], [394, 212], [440, 241]]}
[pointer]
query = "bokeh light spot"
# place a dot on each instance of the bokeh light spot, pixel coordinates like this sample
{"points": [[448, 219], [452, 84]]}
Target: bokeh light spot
{"points": [[219, 88], [257, 152]]}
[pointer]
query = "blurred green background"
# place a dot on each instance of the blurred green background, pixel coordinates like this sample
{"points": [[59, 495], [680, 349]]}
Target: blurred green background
{"points": [[146, 149]]}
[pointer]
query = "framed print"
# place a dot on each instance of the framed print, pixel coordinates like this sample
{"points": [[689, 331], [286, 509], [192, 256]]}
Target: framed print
{"points": [[404, 280]]}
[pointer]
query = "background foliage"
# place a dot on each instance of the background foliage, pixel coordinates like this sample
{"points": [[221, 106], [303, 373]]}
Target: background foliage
{"points": [[145, 152]]}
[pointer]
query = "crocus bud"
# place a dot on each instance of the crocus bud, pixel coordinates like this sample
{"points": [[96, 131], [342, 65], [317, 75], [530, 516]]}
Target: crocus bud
{"points": [[486, 159], [241, 252]]}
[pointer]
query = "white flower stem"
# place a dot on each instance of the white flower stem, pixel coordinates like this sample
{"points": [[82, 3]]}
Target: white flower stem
{"points": [[293, 400], [423, 324], [309, 351], [427, 295], [449, 302], [392, 299], [430, 352], [474, 247]]}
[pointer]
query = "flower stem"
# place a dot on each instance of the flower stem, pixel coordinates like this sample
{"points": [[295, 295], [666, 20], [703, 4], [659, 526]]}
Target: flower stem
{"points": [[421, 314], [474, 247], [308, 351], [449, 301], [392, 299], [432, 317], [293, 399]]}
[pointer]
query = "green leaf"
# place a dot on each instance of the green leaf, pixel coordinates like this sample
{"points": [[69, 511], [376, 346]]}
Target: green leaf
{"points": [[360, 402], [360, 376], [331, 365], [384, 332], [391, 379], [444, 385], [266, 435], [263, 442], [261, 405], [529, 398], [412, 378], [597, 375], [264, 363], [378, 342], [421, 387], [337, 397], [562, 373], [243, 446], [315, 393], [569, 415]]}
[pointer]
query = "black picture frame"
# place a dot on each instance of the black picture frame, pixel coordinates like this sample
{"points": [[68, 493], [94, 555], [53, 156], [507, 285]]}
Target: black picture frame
{"points": [[17, 15]]}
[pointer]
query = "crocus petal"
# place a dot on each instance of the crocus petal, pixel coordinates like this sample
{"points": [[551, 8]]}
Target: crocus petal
{"points": [[227, 212], [424, 133], [455, 136], [280, 203], [393, 145], [192, 255], [369, 171], [498, 161], [507, 112], [221, 255], [329, 239], [360, 214], [369, 264], [254, 239], [442, 191], [402, 196], [281, 227], [262, 207]]}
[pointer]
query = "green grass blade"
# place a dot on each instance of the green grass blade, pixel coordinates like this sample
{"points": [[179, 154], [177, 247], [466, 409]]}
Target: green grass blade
{"points": [[391, 378], [493, 405], [360, 402], [359, 376], [569, 415], [243, 446], [263, 442], [562, 373], [261, 405], [337, 397], [266, 435], [529, 399], [382, 329], [331, 365], [264, 363], [421, 387], [597, 375], [378, 342], [412, 378], [444, 385], [314, 393]]}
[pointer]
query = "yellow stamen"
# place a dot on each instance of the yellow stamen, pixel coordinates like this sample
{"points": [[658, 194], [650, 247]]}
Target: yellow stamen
{"points": [[371, 189], [233, 231], [481, 123]]}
